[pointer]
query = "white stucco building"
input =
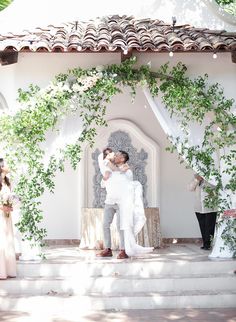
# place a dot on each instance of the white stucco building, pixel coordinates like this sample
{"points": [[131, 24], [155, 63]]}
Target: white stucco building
{"points": [[167, 179]]}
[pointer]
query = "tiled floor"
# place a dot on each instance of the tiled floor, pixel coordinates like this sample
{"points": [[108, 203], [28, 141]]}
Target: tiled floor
{"points": [[171, 252], [188, 315]]}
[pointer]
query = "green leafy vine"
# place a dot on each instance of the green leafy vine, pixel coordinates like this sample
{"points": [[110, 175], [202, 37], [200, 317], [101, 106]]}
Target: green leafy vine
{"points": [[88, 92]]}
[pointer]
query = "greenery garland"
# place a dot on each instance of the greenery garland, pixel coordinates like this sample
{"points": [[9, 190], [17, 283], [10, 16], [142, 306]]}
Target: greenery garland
{"points": [[228, 5], [88, 92]]}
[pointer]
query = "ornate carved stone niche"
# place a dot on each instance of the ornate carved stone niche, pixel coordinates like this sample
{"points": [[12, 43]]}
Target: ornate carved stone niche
{"points": [[144, 161], [121, 140]]}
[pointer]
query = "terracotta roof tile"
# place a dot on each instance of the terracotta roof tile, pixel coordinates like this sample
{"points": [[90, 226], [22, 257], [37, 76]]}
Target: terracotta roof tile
{"points": [[113, 33]]}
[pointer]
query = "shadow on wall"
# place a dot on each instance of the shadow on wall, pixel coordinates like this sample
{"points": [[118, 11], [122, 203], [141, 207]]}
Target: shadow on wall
{"points": [[3, 103]]}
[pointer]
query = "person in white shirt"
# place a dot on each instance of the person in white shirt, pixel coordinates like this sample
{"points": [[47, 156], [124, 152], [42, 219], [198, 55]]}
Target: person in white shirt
{"points": [[124, 197], [206, 216]]}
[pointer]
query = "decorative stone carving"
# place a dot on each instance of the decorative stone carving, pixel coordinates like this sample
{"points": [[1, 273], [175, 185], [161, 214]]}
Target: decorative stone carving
{"points": [[120, 140]]}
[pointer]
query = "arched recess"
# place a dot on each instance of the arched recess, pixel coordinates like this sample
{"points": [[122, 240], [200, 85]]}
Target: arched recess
{"points": [[140, 142], [3, 103]]}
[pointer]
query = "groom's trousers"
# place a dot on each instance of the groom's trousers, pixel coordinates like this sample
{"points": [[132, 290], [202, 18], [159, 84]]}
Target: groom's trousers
{"points": [[109, 212]]}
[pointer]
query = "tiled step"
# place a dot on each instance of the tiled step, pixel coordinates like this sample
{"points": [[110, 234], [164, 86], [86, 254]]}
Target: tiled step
{"points": [[145, 268], [178, 278], [82, 284], [61, 303]]}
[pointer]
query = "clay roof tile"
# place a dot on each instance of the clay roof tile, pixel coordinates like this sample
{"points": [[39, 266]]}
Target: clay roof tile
{"points": [[118, 33]]}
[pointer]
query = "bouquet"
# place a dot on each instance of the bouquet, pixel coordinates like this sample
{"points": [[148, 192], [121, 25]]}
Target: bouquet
{"points": [[8, 200], [230, 213]]}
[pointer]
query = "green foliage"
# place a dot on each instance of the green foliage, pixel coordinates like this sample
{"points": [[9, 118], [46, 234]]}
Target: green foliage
{"points": [[229, 234], [4, 4], [193, 100], [228, 5], [224, 2], [87, 92]]}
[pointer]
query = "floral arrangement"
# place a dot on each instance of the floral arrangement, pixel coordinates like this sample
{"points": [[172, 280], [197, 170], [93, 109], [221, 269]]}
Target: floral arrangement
{"points": [[8, 200], [230, 213]]}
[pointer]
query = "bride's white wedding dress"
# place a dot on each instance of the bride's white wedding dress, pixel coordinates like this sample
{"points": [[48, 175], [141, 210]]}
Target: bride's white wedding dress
{"points": [[129, 196], [7, 248]]}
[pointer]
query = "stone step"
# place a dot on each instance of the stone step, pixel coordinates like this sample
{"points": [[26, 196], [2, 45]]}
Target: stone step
{"points": [[117, 284], [58, 303], [145, 268]]}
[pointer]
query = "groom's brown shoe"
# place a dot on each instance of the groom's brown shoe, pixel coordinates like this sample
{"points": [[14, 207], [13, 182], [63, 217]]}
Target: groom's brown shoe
{"points": [[107, 252], [122, 254]]}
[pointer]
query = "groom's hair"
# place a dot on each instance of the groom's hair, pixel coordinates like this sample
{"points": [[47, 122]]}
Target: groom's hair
{"points": [[125, 155]]}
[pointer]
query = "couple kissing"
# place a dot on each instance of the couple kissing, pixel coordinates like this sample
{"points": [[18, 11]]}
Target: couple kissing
{"points": [[124, 197]]}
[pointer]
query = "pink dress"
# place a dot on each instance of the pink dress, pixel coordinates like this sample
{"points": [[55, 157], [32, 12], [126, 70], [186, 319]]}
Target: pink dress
{"points": [[7, 248]]}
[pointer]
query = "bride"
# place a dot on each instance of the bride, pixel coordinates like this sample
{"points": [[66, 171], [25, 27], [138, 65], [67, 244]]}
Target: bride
{"points": [[7, 249], [128, 196]]}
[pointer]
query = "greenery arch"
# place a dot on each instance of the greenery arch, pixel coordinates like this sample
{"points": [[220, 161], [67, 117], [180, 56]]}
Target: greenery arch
{"points": [[22, 131], [228, 6]]}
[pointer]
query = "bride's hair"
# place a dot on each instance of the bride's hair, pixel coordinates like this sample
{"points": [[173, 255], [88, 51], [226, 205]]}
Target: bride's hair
{"points": [[6, 179], [1, 162], [105, 152]]}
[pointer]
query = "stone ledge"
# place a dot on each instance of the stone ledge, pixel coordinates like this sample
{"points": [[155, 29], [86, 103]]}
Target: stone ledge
{"points": [[92, 231], [56, 242], [181, 240], [76, 242]]}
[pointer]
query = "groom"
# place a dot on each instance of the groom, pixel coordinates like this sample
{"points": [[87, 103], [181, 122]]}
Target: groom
{"points": [[111, 208]]}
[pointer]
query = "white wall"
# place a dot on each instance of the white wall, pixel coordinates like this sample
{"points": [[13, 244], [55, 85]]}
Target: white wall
{"points": [[7, 84], [62, 209], [40, 13]]}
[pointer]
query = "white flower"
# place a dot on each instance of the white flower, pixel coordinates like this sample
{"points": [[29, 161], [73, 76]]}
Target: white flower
{"points": [[4, 197], [66, 87], [100, 68], [76, 87]]}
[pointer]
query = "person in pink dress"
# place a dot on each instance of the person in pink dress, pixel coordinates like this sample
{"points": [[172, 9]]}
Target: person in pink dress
{"points": [[7, 248]]}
